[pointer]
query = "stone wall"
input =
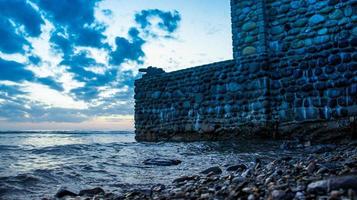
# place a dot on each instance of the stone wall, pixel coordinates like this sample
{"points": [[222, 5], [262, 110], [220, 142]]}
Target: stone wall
{"points": [[295, 62], [313, 59]]}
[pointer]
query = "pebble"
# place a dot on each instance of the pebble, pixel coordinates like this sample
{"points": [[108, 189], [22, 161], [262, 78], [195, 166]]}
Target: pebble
{"points": [[323, 186], [311, 167], [278, 195], [237, 167], [161, 162], [91, 192], [63, 192], [214, 170], [299, 177]]}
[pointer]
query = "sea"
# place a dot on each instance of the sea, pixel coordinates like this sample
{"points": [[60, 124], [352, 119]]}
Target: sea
{"points": [[36, 164]]}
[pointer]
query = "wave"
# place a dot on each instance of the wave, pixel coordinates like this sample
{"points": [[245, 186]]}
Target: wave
{"points": [[9, 147], [76, 148], [23, 179], [66, 132]]}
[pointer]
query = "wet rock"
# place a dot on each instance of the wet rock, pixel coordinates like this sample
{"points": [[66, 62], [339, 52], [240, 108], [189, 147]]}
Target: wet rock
{"points": [[311, 167], [158, 188], [91, 192], [63, 192], [237, 167], [299, 196], [238, 179], [184, 178], [335, 194], [278, 195], [162, 162], [323, 186], [214, 170]]}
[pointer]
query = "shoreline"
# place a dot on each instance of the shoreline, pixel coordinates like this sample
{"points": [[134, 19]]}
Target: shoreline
{"points": [[325, 171]]}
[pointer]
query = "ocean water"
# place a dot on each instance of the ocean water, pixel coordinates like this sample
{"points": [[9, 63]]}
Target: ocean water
{"points": [[34, 165]]}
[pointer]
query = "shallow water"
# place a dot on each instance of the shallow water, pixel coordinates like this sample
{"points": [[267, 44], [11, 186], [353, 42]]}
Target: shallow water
{"points": [[34, 165]]}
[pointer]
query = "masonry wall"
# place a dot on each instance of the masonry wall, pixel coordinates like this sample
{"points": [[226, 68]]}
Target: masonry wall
{"points": [[313, 59], [197, 103], [295, 61]]}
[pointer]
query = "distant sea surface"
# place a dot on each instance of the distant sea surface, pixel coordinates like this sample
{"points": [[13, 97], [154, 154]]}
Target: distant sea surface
{"points": [[34, 165]]}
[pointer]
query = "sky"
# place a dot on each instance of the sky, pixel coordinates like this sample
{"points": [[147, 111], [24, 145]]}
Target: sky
{"points": [[71, 64]]}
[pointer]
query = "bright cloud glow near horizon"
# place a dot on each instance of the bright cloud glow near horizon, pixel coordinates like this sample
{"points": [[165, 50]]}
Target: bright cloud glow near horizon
{"points": [[71, 64]]}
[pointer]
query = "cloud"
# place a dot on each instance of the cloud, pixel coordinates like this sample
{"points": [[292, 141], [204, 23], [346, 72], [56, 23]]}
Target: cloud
{"points": [[34, 59], [107, 12], [168, 21], [51, 83], [18, 19], [75, 26], [60, 43], [75, 22], [9, 91], [22, 13], [79, 64], [10, 41], [16, 72], [106, 88], [131, 50], [23, 111], [128, 50]]}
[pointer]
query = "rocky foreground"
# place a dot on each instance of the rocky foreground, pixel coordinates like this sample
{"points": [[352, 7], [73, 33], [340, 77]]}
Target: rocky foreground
{"points": [[313, 172]]}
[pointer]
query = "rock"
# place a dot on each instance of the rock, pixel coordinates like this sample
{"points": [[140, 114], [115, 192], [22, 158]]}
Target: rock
{"points": [[278, 195], [156, 95], [152, 71], [300, 22], [214, 170], [334, 59], [249, 26], [158, 188], [91, 192], [316, 19], [249, 50], [237, 167], [299, 196], [333, 2], [322, 31], [337, 14], [250, 39], [323, 186], [233, 87], [276, 30], [63, 192], [354, 31], [311, 167], [162, 162], [205, 196], [251, 197], [184, 178], [321, 39], [238, 179], [335, 194]]}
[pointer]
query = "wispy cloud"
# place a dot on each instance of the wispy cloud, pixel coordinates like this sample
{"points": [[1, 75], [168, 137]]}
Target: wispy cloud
{"points": [[165, 21], [76, 86]]}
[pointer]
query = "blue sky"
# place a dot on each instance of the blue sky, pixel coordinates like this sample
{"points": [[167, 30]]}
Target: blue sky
{"points": [[71, 64]]}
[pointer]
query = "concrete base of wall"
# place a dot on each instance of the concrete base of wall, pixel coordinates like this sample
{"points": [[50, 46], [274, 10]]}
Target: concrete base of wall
{"points": [[316, 131]]}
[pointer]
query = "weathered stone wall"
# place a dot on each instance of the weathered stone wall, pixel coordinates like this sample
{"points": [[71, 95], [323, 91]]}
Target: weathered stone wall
{"points": [[295, 61], [313, 59]]}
